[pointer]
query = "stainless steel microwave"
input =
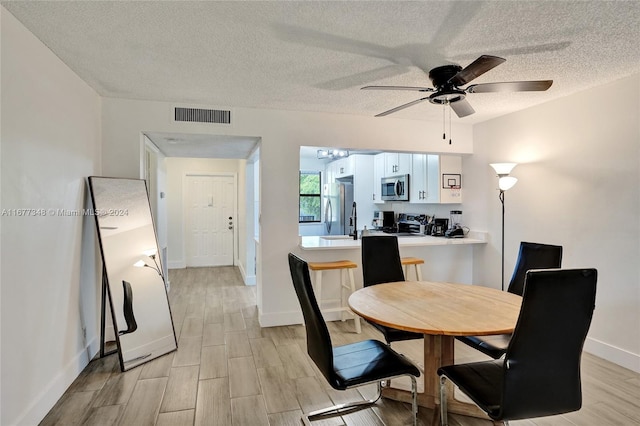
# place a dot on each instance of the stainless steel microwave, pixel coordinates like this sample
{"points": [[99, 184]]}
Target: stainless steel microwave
{"points": [[395, 188]]}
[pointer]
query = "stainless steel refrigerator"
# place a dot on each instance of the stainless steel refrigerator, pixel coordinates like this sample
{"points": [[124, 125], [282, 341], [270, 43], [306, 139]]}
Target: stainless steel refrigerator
{"points": [[338, 199]]}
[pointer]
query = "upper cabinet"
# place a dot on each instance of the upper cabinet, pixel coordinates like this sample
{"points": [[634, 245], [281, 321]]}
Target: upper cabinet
{"points": [[344, 167], [423, 185], [378, 174], [396, 163], [435, 179]]}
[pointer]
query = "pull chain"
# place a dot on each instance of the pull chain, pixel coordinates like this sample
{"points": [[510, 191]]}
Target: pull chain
{"points": [[449, 126], [444, 135]]}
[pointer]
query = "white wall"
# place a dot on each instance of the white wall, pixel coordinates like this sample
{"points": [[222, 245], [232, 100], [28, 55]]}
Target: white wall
{"points": [[49, 267], [578, 174], [282, 133]]}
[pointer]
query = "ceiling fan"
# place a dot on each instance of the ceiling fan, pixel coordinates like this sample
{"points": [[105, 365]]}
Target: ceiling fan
{"points": [[447, 80]]}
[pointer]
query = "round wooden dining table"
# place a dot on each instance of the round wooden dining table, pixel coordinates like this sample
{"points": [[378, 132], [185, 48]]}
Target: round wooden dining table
{"points": [[440, 311]]}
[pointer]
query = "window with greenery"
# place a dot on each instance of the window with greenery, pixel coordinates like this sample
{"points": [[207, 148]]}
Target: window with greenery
{"points": [[310, 205]]}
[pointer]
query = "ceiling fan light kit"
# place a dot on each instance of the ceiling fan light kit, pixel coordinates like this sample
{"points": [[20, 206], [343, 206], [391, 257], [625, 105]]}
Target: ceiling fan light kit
{"points": [[447, 80]]}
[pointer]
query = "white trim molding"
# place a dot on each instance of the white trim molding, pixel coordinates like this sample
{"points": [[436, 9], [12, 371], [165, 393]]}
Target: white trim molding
{"points": [[612, 353]]}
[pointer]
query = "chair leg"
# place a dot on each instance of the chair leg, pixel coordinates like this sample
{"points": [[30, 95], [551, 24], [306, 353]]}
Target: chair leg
{"points": [[443, 401], [338, 408], [343, 299], [356, 318], [414, 400]]}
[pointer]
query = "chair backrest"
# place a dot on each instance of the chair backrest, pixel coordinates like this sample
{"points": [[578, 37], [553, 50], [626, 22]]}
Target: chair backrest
{"points": [[542, 363], [533, 256], [127, 309], [319, 345], [381, 260]]}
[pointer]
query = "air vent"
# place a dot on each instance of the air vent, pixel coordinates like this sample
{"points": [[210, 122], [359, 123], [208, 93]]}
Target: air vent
{"points": [[198, 115]]}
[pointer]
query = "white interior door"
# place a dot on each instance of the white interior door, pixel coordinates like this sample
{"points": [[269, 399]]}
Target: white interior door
{"points": [[210, 220]]}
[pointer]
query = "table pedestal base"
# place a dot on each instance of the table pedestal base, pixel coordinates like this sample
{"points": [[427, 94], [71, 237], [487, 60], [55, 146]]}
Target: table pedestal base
{"points": [[438, 350]]}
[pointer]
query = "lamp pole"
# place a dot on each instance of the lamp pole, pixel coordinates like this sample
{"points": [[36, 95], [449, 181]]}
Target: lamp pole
{"points": [[501, 197], [504, 183]]}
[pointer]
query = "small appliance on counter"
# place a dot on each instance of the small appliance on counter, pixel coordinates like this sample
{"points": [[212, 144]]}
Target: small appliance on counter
{"points": [[439, 226], [455, 229], [383, 220], [411, 223]]}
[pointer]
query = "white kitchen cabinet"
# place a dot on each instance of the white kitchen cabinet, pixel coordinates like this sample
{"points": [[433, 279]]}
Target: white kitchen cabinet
{"points": [[418, 179], [330, 172], [344, 167], [431, 176], [423, 183], [396, 163], [378, 174], [341, 168]]}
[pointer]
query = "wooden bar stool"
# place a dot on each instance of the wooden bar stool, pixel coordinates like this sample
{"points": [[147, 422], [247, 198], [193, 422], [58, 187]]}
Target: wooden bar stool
{"points": [[416, 262], [342, 266]]}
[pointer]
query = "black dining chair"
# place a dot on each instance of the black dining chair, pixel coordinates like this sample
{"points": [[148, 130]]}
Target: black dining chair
{"points": [[381, 264], [350, 365], [127, 309], [530, 256], [540, 373]]}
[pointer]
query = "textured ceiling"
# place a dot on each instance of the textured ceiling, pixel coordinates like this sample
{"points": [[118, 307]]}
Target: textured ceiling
{"points": [[315, 56]]}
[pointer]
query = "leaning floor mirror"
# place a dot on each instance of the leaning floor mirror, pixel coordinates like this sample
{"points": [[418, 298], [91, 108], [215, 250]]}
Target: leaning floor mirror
{"points": [[134, 282]]}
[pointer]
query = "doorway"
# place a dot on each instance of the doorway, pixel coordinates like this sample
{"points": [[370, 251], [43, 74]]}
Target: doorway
{"points": [[210, 219]]}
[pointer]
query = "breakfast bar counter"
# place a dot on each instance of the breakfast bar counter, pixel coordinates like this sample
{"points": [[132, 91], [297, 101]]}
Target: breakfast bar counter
{"points": [[344, 242], [445, 259]]}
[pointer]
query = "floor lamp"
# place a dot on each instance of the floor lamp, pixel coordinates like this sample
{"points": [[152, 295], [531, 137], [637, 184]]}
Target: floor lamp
{"points": [[505, 182]]}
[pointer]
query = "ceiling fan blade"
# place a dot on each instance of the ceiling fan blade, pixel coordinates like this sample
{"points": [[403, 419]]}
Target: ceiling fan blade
{"points": [[398, 108], [478, 67], [358, 79], [414, 89], [462, 108], [511, 86]]}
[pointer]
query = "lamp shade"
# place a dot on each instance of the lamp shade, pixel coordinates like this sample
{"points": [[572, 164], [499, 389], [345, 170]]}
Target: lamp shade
{"points": [[150, 252], [506, 182], [503, 168]]}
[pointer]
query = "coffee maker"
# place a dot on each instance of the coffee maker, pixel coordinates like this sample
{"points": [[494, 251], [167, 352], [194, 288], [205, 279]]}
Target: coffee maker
{"points": [[439, 226]]}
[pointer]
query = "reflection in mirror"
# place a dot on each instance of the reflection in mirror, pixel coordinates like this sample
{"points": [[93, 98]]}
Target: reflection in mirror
{"points": [[135, 284]]}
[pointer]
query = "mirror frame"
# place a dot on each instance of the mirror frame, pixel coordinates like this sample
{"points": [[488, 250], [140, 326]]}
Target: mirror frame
{"points": [[106, 292]]}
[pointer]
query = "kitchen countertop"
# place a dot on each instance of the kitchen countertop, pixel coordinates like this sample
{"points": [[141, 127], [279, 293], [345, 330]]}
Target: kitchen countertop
{"points": [[330, 242]]}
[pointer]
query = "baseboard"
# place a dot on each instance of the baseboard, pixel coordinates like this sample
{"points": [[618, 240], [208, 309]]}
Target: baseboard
{"points": [[176, 264], [51, 393], [612, 353], [248, 279], [280, 318], [290, 318]]}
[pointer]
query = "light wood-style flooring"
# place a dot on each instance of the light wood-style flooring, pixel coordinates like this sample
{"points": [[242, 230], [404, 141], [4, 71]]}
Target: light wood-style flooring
{"points": [[229, 371]]}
